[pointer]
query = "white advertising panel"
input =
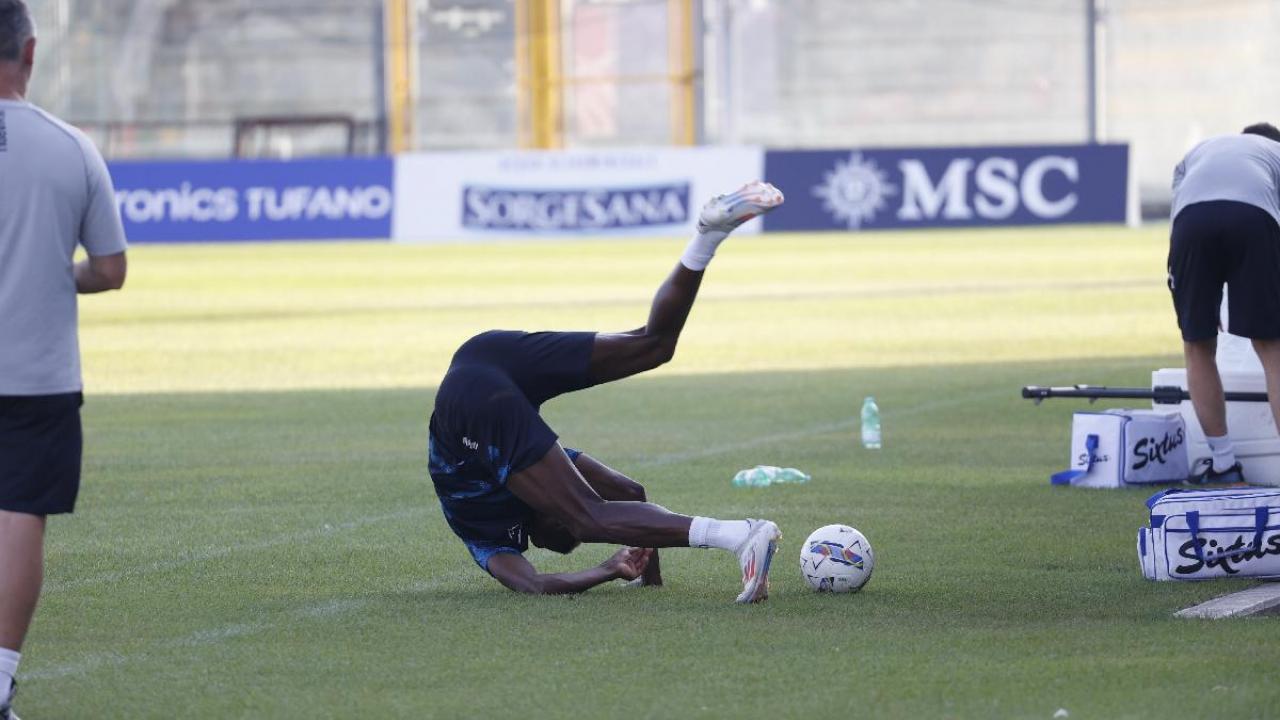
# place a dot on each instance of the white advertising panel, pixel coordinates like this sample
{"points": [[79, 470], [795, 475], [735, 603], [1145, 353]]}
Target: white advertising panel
{"points": [[502, 194]]}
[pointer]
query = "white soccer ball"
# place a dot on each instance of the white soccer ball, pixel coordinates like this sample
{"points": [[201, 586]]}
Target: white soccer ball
{"points": [[837, 558]]}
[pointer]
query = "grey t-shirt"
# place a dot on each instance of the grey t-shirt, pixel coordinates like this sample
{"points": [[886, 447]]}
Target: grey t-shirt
{"points": [[1244, 168], [55, 193]]}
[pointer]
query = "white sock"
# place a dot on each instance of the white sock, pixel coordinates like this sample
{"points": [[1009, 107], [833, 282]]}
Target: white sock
{"points": [[700, 250], [707, 532], [8, 668], [1224, 453]]}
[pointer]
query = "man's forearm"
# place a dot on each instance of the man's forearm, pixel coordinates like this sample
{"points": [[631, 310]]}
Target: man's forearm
{"points": [[95, 275], [574, 582]]}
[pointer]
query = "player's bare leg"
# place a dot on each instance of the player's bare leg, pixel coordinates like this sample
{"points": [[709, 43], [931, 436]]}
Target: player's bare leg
{"points": [[21, 574], [619, 355], [1269, 353], [554, 487], [610, 484], [1204, 384]]}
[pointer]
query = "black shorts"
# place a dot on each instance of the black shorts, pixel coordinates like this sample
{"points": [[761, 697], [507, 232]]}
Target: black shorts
{"points": [[486, 419], [1232, 243], [486, 427], [40, 448]]}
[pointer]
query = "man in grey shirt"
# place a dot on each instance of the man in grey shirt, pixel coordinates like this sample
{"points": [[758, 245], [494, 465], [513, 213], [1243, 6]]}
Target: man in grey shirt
{"points": [[1226, 231], [55, 194]]}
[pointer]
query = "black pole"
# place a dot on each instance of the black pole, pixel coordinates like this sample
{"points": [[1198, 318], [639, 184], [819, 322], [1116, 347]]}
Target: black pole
{"points": [[1161, 394]]}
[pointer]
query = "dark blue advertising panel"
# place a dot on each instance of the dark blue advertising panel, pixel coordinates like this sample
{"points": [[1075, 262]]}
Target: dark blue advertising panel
{"points": [[329, 198], [948, 187]]}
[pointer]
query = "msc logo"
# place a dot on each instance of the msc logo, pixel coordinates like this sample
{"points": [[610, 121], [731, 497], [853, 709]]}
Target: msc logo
{"points": [[991, 188], [561, 209], [855, 190]]}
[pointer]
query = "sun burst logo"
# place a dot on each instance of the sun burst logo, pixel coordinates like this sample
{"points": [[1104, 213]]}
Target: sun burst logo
{"points": [[855, 190]]}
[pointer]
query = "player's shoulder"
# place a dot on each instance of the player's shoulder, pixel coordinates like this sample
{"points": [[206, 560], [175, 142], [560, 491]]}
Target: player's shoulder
{"points": [[1215, 144], [57, 124], [1234, 144], [74, 140]]}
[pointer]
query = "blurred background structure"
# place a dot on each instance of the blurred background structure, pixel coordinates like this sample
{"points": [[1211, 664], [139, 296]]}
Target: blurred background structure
{"points": [[217, 78]]}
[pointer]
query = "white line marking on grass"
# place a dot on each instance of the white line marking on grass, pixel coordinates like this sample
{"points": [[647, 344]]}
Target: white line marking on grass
{"points": [[679, 457], [217, 635], [220, 551], [1254, 601], [84, 665], [334, 607]]}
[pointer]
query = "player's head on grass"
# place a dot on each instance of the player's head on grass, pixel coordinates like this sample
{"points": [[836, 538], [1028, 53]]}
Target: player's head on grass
{"points": [[550, 534], [1266, 130]]}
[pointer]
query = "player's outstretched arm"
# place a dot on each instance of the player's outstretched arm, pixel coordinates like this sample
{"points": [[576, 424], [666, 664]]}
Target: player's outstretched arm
{"points": [[517, 573]]}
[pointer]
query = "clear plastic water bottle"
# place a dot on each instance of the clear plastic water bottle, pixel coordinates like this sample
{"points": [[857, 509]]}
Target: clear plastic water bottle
{"points": [[870, 424], [757, 476], [791, 475], [766, 475]]}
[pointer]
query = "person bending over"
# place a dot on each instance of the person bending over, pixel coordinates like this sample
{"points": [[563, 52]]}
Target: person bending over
{"points": [[504, 480], [1226, 231]]}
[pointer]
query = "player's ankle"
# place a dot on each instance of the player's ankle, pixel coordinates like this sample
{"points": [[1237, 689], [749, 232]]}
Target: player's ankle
{"points": [[700, 250], [1224, 452], [728, 535]]}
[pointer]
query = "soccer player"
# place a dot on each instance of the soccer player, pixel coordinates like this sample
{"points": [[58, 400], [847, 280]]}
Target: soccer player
{"points": [[504, 480], [1226, 230], [55, 194]]}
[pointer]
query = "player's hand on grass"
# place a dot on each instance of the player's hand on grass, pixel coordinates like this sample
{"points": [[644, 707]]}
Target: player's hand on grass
{"points": [[628, 563]]}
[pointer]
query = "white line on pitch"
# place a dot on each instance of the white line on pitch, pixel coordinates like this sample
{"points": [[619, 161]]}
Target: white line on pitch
{"points": [[334, 607], [216, 552], [678, 457]]}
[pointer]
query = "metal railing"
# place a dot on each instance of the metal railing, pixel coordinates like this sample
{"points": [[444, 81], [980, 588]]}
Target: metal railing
{"points": [[281, 137]]}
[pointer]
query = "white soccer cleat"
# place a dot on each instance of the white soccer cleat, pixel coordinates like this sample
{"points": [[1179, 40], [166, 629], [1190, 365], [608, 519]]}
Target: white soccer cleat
{"points": [[724, 213], [754, 556]]}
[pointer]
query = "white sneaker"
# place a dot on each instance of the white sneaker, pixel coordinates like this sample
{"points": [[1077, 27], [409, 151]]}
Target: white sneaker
{"points": [[724, 213], [754, 556]]}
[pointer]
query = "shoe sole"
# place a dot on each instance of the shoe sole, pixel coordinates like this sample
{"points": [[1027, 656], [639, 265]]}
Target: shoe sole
{"points": [[761, 591]]}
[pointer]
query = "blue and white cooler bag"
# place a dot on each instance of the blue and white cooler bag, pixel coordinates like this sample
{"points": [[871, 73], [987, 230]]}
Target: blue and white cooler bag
{"points": [[1120, 448], [1204, 534]]}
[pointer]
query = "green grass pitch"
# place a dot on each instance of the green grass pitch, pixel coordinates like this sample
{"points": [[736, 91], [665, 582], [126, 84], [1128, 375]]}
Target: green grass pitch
{"points": [[257, 536]]}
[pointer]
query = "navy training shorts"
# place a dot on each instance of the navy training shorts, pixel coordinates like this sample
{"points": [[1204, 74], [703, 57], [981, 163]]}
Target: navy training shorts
{"points": [[40, 450], [486, 426], [1224, 242]]}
